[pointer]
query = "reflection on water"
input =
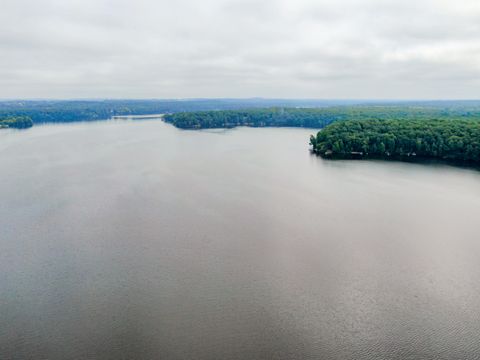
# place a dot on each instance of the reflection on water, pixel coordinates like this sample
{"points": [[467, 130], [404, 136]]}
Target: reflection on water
{"points": [[135, 240]]}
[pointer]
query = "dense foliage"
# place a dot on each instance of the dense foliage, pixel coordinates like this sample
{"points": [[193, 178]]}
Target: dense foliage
{"points": [[19, 122], [453, 139], [321, 117], [309, 117]]}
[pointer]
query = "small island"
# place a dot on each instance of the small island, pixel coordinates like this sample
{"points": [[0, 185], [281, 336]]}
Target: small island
{"points": [[452, 140], [18, 122]]}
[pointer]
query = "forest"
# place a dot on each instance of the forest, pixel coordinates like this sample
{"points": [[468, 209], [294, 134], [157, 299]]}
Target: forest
{"points": [[278, 116], [227, 113], [19, 122], [456, 140], [322, 116]]}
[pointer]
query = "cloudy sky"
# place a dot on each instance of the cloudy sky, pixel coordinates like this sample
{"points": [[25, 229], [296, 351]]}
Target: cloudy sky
{"points": [[240, 48]]}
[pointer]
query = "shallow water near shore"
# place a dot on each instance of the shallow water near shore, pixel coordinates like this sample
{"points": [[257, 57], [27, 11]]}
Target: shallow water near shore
{"points": [[136, 240]]}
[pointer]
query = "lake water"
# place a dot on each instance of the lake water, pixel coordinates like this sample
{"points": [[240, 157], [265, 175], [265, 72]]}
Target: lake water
{"points": [[136, 240]]}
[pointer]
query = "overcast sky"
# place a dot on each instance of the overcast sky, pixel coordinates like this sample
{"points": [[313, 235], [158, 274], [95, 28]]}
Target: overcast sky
{"points": [[240, 48]]}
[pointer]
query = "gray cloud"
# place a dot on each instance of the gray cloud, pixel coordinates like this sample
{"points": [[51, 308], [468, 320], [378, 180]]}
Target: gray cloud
{"points": [[227, 48]]}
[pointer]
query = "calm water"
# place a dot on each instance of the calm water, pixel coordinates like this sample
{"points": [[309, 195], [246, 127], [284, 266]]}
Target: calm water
{"points": [[135, 240]]}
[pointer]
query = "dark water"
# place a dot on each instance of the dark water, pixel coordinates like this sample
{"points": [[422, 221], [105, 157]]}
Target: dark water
{"points": [[135, 240]]}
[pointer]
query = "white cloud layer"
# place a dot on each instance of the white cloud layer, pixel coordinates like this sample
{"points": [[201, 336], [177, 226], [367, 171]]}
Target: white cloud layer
{"points": [[240, 48]]}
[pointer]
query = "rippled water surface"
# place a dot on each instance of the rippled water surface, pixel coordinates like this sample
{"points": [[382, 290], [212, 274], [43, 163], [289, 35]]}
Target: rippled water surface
{"points": [[135, 240]]}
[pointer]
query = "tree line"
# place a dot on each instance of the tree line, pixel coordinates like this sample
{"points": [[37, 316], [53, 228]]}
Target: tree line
{"points": [[225, 113], [42, 111], [318, 117]]}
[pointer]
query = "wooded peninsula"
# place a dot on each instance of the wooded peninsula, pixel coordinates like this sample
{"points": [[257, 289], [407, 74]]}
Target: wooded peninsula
{"points": [[322, 116], [455, 140]]}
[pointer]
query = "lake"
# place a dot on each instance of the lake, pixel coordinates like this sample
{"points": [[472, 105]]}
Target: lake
{"points": [[136, 240]]}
